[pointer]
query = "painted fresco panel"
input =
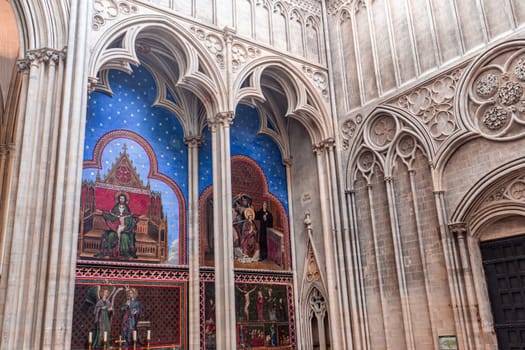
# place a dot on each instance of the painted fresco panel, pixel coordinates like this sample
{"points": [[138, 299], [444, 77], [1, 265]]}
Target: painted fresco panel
{"points": [[260, 223], [151, 176], [122, 305], [264, 312]]}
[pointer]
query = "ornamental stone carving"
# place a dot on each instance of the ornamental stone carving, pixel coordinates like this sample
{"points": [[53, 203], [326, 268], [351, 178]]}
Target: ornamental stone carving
{"points": [[241, 54], [308, 6], [319, 78], [433, 104], [513, 190], [213, 43], [40, 56], [334, 6], [406, 146], [348, 129], [366, 161], [105, 10], [382, 131], [491, 100], [495, 117]]}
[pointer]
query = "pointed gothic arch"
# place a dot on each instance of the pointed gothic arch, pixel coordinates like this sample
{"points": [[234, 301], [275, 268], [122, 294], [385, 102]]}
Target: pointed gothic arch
{"points": [[304, 102]]}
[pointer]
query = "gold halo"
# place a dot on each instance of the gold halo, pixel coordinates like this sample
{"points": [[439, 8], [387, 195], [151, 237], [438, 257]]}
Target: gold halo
{"points": [[249, 211], [125, 194]]}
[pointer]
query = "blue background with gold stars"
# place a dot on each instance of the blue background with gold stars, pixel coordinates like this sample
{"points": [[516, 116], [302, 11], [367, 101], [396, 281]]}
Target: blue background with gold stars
{"points": [[130, 108], [245, 141]]}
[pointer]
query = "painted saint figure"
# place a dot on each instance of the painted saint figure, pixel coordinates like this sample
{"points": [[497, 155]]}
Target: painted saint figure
{"points": [[103, 314], [266, 221], [271, 302], [250, 238], [130, 316], [260, 306], [119, 238]]}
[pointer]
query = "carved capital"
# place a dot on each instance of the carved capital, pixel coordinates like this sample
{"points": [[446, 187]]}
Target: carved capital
{"points": [[327, 144], [41, 56], [193, 141], [458, 229], [287, 162], [225, 118]]}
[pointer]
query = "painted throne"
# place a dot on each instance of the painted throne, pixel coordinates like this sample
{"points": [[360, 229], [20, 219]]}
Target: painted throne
{"points": [[100, 197]]}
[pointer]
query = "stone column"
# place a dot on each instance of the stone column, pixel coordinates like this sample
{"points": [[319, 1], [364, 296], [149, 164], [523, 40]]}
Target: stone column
{"points": [[356, 290], [223, 231], [42, 227], [456, 287], [334, 305], [6, 161], [193, 144], [459, 230]]}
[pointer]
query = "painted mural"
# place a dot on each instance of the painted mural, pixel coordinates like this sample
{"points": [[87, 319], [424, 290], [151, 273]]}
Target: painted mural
{"points": [[259, 202], [134, 187], [264, 318], [122, 312], [264, 313], [208, 326]]}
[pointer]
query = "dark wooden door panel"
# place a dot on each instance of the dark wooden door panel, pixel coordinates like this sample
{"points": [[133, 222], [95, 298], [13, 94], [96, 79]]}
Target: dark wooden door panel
{"points": [[504, 264]]}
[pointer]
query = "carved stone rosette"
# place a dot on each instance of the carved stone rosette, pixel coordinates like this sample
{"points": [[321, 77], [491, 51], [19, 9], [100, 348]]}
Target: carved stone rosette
{"points": [[491, 99]]}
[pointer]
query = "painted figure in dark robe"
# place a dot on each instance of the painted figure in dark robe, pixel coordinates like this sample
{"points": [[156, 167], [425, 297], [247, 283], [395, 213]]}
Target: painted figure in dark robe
{"points": [[266, 221]]}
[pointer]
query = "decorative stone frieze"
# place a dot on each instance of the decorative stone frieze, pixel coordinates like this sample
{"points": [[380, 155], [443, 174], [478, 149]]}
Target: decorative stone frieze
{"points": [[433, 104], [107, 10], [491, 100]]}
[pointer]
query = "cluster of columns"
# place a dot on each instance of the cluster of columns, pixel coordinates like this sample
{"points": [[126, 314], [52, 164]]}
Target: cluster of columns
{"points": [[223, 242], [41, 211]]}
